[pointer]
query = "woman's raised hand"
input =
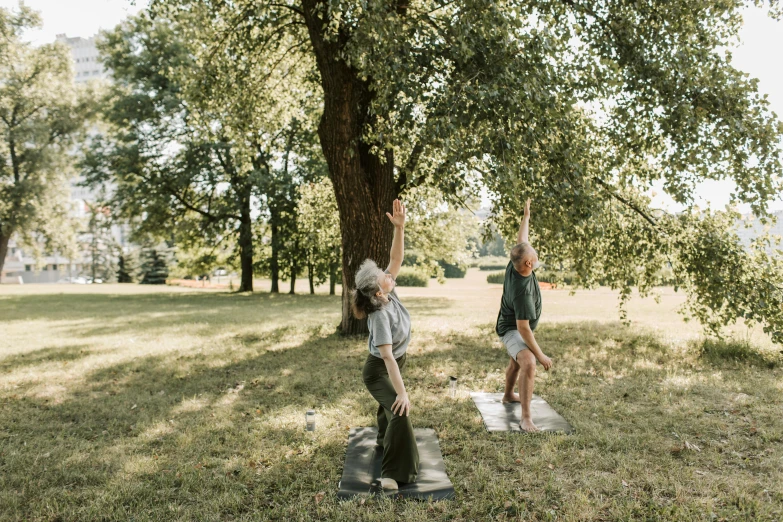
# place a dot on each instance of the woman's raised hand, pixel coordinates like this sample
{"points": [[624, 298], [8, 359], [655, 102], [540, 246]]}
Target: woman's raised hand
{"points": [[398, 218]]}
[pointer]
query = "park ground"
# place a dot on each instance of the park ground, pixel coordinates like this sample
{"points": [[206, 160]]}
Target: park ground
{"points": [[122, 402]]}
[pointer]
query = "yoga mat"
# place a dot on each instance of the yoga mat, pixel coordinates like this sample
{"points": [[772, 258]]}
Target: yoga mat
{"points": [[506, 417], [362, 470]]}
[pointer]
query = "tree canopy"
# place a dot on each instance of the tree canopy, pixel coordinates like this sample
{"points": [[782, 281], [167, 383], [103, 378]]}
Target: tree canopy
{"points": [[41, 113], [582, 106]]}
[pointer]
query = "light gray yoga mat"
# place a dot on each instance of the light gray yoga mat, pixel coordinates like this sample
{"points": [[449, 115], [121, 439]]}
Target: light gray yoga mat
{"points": [[362, 469], [506, 417]]}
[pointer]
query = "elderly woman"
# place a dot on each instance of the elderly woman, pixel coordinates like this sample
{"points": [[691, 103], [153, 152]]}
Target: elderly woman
{"points": [[390, 332]]}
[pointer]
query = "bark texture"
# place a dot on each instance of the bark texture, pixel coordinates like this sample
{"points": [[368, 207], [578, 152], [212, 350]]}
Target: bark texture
{"points": [[364, 183]]}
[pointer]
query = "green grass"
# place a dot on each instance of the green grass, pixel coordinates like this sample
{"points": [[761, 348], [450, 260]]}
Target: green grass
{"points": [[125, 402]]}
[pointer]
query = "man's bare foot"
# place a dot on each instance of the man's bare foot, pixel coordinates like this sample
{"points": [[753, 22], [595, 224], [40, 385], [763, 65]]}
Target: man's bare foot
{"points": [[527, 426], [513, 398], [389, 484]]}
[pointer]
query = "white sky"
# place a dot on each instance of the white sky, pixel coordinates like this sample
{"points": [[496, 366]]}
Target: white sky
{"points": [[759, 38]]}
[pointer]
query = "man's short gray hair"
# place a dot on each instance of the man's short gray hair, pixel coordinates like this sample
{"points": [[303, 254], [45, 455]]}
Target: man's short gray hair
{"points": [[519, 253]]}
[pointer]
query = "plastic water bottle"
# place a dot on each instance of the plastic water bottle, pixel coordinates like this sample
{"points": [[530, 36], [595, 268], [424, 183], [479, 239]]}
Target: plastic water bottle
{"points": [[452, 387], [310, 420]]}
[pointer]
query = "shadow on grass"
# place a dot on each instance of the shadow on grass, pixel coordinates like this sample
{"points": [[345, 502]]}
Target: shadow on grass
{"points": [[192, 435], [44, 355], [732, 352]]}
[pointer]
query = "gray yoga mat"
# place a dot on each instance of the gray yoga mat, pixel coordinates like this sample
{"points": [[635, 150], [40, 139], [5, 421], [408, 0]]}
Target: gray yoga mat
{"points": [[506, 417], [362, 470]]}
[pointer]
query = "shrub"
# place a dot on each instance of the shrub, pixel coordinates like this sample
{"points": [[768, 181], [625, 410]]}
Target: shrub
{"points": [[411, 277], [492, 263], [496, 278], [452, 271]]}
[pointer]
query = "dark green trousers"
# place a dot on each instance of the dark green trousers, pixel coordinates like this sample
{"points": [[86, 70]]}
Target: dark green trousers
{"points": [[400, 453]]}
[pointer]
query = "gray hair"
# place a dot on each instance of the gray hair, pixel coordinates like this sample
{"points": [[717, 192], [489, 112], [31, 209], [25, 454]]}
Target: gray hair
{"points": [[363, 299], [521, 252]]}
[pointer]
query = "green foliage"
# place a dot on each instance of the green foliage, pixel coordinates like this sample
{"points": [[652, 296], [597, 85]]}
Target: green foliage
{"points": [[154, 270], [492, 245], [584, 107], [318, 225], [451, 271], [437, 232], [412, 277], [99, 243], [127, 267], [41, 114], [496, 278], [193, 144]]}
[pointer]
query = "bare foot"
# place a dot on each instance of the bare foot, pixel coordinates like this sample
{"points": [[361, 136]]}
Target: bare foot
{"points": [[513, 398], [389, 484], [528, 426]]}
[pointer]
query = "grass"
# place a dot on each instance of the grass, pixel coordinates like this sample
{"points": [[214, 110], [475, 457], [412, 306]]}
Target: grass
{"points": [[126, 402]]}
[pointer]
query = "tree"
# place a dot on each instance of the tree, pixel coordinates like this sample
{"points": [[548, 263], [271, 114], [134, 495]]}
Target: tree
{"points": [[582, 106], [40, 115], [187, 144], [100, 243], [437, 232], [319, 229], [155, 268], [127, 267]]}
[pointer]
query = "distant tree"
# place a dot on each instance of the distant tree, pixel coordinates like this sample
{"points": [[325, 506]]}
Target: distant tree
{"points": [[318, 224], [100, 244], [154, 270], [40, 116], [127, 268], [437, 233]]}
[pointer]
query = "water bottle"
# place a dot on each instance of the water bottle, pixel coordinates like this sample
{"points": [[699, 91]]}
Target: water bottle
{"points": [[310, 420], [453, 387]]}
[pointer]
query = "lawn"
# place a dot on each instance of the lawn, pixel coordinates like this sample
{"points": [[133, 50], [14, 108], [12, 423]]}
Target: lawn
{"points": [[130, 402]]}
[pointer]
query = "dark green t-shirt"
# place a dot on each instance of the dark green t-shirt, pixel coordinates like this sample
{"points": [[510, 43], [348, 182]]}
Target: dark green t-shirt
{"points": [[521, 300]]}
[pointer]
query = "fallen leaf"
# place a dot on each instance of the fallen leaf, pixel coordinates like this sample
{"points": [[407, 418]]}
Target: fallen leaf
{"points": [[625, 484], [319, 496], [691, 446], [698, 472], [507, 504], [133, 407], [518, 461]]}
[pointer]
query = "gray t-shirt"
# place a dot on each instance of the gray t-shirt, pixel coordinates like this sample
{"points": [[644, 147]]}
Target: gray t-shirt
{"points": [[390, 325]]}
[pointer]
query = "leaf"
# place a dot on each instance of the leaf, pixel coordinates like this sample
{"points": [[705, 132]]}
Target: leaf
{"points": [[319, 496]]}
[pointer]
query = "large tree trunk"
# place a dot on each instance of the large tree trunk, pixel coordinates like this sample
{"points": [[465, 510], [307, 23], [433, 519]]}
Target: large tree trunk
{"points": [[246, 243], [364, 183], [274, 264], [4, 239]]}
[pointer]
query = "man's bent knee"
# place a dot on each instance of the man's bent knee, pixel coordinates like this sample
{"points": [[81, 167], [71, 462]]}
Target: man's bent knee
{"points": [[526, 360]]}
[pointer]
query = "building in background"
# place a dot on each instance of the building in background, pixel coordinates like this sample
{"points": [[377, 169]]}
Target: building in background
{"points": [[86, 59]]}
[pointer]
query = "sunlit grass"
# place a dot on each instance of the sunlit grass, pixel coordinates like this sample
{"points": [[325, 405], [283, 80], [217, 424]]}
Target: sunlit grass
{"points": [[128, 403]]}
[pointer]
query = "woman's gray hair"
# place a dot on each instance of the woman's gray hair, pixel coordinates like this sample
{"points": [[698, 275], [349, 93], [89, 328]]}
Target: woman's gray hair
{"points": [[364, 299]]}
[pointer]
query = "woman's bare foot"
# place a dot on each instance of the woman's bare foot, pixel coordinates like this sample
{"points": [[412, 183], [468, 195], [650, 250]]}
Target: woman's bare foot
{"points": [[527, 426], [389, 484], [513, 398]]}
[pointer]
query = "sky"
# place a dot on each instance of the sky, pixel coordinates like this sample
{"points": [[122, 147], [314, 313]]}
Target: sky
{"points": [[759, 38]]}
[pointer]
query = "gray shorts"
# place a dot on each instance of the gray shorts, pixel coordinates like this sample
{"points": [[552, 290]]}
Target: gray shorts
{"points": [[514, 343]]}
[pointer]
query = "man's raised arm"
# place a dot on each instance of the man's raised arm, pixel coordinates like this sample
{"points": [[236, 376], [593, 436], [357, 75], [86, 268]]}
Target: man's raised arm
{"points": [[524, 228]]}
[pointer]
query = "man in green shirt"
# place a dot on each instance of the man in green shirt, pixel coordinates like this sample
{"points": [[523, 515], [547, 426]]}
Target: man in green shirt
{"points": [[520, 310]]}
